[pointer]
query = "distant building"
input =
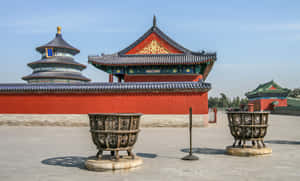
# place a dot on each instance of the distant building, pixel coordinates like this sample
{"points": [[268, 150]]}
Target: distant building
{"points": [[267, 96], [57, 64]]}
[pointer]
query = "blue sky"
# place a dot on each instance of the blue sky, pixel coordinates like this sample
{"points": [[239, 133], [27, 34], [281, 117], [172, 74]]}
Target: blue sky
{"points": [[255, 40]]}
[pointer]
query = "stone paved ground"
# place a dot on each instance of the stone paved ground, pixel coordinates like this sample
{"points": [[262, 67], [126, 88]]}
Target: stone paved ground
{"points": [[58, 153]]}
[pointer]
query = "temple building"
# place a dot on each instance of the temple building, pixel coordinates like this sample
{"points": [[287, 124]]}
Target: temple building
{"points": [[57, 64], [267, 96], [155, 57], [157, 77]]}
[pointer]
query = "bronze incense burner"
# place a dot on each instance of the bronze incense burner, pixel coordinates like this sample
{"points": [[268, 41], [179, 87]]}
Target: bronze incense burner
{"points": [[248, 126], [114, 132]]}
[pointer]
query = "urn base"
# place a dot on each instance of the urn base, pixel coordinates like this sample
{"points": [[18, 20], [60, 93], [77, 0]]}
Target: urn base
{"points": [[248, 151], [125, 162]]}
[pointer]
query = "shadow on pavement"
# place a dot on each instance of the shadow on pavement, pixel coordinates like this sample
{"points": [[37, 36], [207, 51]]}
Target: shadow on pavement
{"points": [[146, 155], [209, 151], [66, 161], [283, 142], [78, 162]]}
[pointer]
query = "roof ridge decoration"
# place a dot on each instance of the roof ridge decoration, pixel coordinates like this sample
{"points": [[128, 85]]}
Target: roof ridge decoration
{"points": [[154, 20], [59, 30]]}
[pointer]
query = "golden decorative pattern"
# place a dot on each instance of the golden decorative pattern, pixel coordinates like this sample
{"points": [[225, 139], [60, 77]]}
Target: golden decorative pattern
{"points": [[153, 48]]}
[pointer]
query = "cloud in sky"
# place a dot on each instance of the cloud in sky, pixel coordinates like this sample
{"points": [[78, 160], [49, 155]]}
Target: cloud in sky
{"points": [[236, 25], [74, 22], [267, 27], [98, 22]]}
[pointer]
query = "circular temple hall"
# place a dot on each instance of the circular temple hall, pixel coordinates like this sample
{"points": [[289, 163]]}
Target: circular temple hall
{"points": [[57, 64]]}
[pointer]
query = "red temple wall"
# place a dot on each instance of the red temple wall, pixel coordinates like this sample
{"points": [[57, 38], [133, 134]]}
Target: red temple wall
{"points": [[161, 78], [265, 104], [147, 103], [256, 104]]}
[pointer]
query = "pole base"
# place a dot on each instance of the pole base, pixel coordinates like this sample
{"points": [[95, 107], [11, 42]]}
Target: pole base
{"points": [[190, 157]]}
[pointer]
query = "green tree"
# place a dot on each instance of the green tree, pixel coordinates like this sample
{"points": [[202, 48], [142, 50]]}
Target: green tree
{"points": [[224, 102], [294, 93]]}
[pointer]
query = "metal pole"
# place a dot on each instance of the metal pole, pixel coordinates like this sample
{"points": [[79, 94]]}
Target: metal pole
{"points": [[190, 156], [191, 118]]}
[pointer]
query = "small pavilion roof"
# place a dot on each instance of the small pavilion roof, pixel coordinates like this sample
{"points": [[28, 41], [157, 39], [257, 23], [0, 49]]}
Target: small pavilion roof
{"points": [[58, 42], [270, 88]]}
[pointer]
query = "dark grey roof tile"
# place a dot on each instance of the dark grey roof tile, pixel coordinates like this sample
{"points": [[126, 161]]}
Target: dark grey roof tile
{"points": [[58, 42], [105, 87], [58, 75], [161, 34], [151, 59], [57, 60]]}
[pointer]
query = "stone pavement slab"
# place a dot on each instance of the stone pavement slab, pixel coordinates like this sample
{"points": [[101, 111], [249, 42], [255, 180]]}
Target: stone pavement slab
{"points": [[58, 153]]}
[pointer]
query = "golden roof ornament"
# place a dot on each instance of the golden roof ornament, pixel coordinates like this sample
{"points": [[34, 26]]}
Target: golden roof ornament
{"points": [[59, 30]]}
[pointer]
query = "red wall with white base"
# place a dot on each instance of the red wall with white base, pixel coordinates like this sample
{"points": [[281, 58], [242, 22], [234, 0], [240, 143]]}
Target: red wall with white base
{"points": [[75, 103]]}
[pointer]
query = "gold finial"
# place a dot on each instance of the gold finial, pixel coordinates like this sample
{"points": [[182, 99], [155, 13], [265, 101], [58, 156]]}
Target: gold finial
{"points": [[59, 30]]}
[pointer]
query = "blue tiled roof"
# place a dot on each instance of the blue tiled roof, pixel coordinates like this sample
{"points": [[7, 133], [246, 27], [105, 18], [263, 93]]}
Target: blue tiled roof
{"points": [[106, 87]]}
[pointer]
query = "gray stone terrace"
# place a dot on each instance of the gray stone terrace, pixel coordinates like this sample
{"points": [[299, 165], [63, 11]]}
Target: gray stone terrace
{"points": [[58, 153]]}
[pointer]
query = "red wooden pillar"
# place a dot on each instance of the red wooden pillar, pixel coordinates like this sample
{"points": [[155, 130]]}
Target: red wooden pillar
{"points": [[111, 78], [215, 114], [250, 107]]}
